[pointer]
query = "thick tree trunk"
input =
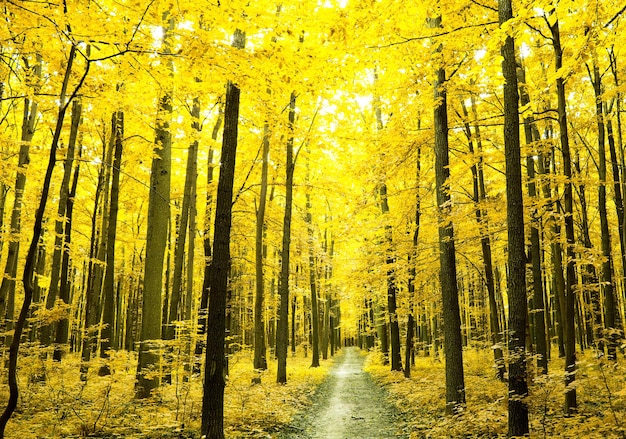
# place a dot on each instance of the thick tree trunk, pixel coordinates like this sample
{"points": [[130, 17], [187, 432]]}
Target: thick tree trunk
{"points": [[215, 359], [518, 384], [453, 349], [282, 330], [175, 311], [156, 242]]}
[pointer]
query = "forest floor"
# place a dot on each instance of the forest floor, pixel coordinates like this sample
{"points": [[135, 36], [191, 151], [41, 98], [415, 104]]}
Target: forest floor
{"points": [[352, 395], [348, 404]]}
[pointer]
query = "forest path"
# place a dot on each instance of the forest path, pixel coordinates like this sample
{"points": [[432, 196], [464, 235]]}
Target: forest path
{"points": [[347, 405]]}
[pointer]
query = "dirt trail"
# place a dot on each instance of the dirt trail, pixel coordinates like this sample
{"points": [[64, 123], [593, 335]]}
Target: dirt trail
{"points": [[347, 405]]}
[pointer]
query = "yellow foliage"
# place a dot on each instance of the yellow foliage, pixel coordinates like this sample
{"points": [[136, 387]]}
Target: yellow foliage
{"points": [[55, 403]]}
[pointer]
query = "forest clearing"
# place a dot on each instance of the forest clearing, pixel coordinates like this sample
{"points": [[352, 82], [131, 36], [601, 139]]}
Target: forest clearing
{"points": [[219, 218]]}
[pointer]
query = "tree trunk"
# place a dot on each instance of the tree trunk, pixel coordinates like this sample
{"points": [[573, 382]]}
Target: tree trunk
{"points": [[206, 246], [455, 380], [59, 233], [260, 360], [176, 298], [29, 264], [156, 243], [315, 321], [408, 352], [62, 329], [539, 307], [570, 280], [480, 196], [215, 360], [605, 234], [108, 317], [7, 288], [282, 331], [518, 385]]}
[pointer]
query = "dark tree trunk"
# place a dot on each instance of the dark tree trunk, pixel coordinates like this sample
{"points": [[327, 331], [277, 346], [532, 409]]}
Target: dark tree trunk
{"points": [[315, 322], [62, 329], [408, 351], [7, 288], [539, 308], [282, 330], [260, 359], [108, 317], [392, 288], [49, 329], [518, 384], [215, 359], [480, 196], [605, 234], [207, 248], [570, 279], [453, 349], [29, 264]]}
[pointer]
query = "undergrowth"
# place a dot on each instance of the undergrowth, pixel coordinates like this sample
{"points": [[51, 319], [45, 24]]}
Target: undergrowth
{"points": [[601, 390], [55, 403]]}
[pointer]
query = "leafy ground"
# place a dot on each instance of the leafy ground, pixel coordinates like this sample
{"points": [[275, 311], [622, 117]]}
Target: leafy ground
{"points": [[61, 406], [601, 390]]}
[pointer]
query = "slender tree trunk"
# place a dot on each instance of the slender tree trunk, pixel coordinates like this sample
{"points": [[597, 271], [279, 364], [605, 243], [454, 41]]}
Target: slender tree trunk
{"points": [[260, 360], [282, 331], [394, 330], [7, 288], [97, 255], [408, 352], [108, 317], [215, 359], [29, 264], [206, 246], [49, 329], [539, 307], [392, 288], [480, 196], [62, 329], [176, 299], [605, 234], [570, 280], [315, 321]]}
